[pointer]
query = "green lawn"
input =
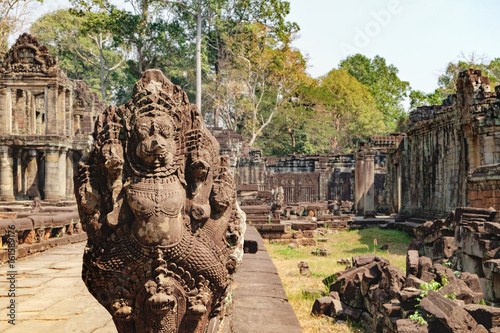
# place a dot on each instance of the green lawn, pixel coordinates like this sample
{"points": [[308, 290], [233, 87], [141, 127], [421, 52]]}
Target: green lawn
{"points": [[341, 244]]}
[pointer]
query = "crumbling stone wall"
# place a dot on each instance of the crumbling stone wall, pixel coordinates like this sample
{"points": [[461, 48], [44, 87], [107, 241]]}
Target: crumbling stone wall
{"points": [[443, 144]]}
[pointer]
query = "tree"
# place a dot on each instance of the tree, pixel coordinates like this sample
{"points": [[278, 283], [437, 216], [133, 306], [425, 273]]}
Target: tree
{"points": [[13, 15], [351, 110], [419, 98], [383, 83], [260, 75], [447, 81], [200, 10], [152, 38], [85, 50]]}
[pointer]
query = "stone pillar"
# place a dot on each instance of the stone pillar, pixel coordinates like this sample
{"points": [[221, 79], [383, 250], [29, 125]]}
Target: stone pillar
{"points": [[69, 176], [51, 110], [359, 189], [6, 175], [369, 184], [19, 188], [398, 188], [62, 175], [52, 177], [31, 174], [5, 111]]}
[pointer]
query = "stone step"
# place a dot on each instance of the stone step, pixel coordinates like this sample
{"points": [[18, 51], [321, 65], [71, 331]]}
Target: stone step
{"points": [[417, 220]]}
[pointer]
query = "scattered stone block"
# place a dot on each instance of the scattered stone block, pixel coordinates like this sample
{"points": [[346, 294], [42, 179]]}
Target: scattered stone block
{"points": [[488, 316], [322, 306], [471, 264], [450, 315], [412, 260], [472, 281], [413, 282], [304, 268], [424, 264], [492, 228], [461, 291], [337, 309], [410, 326], [352, 313], [322, 252], [344, 261]]}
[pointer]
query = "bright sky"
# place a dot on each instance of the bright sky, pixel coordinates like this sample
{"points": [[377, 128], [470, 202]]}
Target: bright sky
{"points": [[419, 37]]}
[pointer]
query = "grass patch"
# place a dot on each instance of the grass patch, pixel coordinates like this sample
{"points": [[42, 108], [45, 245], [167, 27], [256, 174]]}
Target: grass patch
{"points": [[343, 244]]}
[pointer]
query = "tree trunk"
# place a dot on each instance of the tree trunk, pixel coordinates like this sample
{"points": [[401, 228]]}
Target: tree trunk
{"points": [[198, 55], [291, 132], [102, 73]]}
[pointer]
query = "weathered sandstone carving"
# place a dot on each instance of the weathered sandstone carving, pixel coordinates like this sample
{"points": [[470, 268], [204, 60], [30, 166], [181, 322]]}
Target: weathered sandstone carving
{"points": [[158, 204]]}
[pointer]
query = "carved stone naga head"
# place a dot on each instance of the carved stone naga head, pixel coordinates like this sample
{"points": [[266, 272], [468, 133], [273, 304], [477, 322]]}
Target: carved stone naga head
{"points": [[165, 233]]}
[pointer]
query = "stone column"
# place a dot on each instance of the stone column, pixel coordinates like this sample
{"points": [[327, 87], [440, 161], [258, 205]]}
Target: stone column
{"points": [[69, 176], [5, 111], [51, 102], [31, 174], [398, 188], [62, 175], [52, 177], [19, 186], [6, 175], [359, 189], [369, 184]]}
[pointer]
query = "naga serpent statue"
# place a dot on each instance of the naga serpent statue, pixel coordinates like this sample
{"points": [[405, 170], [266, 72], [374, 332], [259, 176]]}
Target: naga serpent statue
{"points": [[165, 233]]}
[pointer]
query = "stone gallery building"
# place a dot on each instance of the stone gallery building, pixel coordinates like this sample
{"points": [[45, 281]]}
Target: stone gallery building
{"points": [[45, 123], [450, 156], [311, 178]]}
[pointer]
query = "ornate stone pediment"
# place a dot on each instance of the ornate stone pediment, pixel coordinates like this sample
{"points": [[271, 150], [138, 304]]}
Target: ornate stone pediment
{"points": [[28, 56]]}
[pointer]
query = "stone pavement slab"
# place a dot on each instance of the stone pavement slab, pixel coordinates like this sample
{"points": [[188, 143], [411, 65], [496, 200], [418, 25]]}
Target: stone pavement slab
{"points": [[51, 296]]}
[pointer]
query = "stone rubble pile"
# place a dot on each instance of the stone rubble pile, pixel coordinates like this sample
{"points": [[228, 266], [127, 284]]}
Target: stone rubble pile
{"points": [[457, 259], [469, 238], [382, 297]]}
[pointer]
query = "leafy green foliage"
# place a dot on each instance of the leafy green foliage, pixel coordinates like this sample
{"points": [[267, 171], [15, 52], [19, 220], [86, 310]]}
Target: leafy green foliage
{"points": [[433, 285], [383, 83], [448, 80], [451, 296], [417, 316], [86, 52], [419, 98]]}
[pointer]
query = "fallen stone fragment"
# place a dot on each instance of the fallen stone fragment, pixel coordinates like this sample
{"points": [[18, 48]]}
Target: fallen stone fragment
{"points": [[412, 260], [352, 313], [304, 268], [322, 252], [451, 316], [488, 316], [472, 281], [344, 261], [410, 326], [322, 306], [424, 264], [460, 290], [413, 281]]}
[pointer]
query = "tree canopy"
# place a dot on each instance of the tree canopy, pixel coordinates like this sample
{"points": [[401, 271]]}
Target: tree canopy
{"points": [[252, 78], [383, 83]]}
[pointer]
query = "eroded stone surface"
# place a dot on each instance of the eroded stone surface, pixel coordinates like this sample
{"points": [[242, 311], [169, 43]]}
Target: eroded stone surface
{"points": [[158, 205]]}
